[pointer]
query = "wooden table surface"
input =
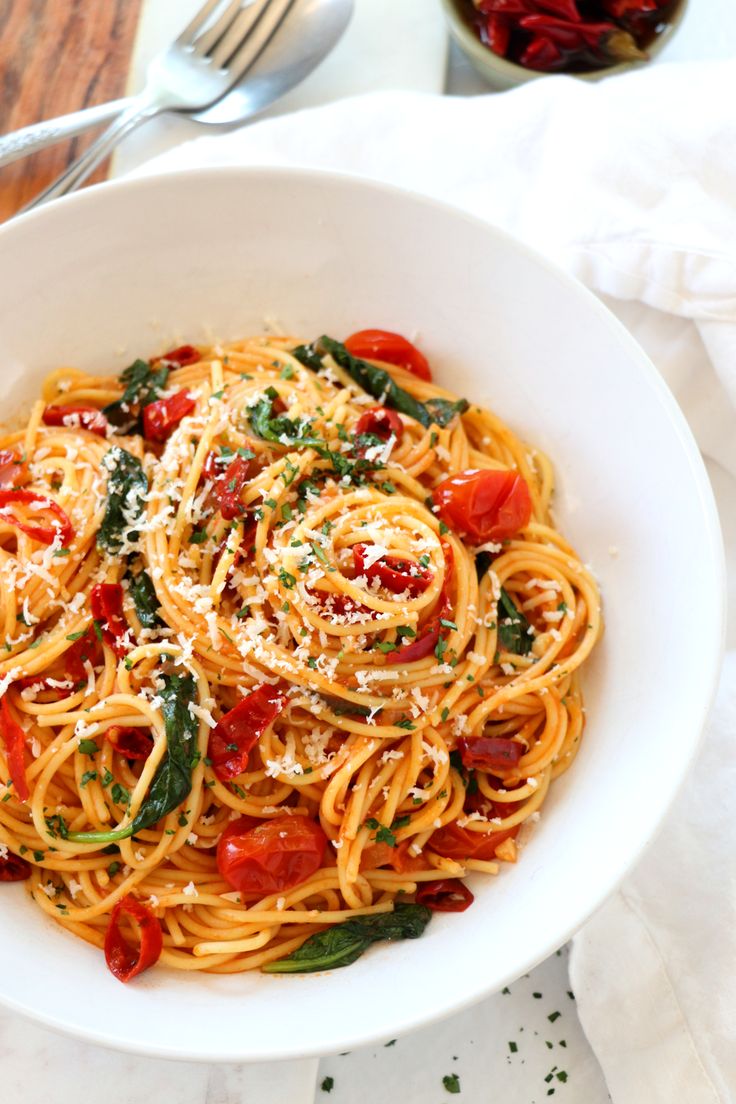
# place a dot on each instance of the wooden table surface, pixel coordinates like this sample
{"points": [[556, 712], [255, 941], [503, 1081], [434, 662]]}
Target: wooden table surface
{"points": [[58, 56]]}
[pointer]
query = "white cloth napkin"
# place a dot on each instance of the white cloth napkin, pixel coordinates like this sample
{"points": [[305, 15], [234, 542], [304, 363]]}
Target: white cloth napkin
{"points": [[631, 185]]}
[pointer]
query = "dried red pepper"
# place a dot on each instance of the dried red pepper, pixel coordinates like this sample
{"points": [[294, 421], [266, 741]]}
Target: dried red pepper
{"points": [[396, 574], [14, 739], [124, 961], [106, 602], [77, 417], [161, 417], [237, 733], [45, 534]]}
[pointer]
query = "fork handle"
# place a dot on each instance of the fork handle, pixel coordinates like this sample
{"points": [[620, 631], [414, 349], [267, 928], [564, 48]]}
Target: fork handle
{"points": [[139, 111], [30, 139]]}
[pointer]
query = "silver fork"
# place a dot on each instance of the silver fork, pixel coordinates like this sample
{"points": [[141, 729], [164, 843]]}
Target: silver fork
{"points": [[195, 71]]}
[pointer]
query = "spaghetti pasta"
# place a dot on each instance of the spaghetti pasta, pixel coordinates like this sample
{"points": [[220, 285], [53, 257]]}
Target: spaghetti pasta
{"points": [[288, 634]]}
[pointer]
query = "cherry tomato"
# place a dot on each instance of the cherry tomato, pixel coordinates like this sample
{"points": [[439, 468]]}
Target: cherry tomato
{"points": [[391, 348], [130, 742], [489, 753], [238, 732], [13, 471], [397, 575], [14, 869], [429, 638], [124, 961], [106, 602], [274, 856], [81, 417], [398, 858], [14, 739], [45, 534], [454, 842], [229, 487], [487, 505], [446, 895], [161, 417], [380, 422], [181, 357]]}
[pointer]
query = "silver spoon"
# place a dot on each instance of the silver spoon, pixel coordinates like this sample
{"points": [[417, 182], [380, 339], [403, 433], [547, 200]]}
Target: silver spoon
{"points": [[313, 29]]}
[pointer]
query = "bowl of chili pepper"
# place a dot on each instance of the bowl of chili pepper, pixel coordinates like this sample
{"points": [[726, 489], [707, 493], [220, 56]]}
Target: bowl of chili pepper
{"points": [[511, 41]]}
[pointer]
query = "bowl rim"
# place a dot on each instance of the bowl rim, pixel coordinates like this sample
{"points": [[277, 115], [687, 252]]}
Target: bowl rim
{"points": [[713, 551]]}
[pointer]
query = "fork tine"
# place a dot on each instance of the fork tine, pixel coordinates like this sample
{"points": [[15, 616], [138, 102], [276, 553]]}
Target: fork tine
{"points": [[186, 37], [205, 43], [245, 52], [238, 33]]}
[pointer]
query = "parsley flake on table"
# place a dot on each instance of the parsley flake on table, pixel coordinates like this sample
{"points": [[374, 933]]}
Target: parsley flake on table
{"points": [[451, 1081], [328, 1084]]}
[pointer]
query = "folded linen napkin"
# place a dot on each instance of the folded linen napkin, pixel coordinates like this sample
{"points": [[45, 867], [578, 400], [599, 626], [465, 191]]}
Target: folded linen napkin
{"points": [[630, 185]]}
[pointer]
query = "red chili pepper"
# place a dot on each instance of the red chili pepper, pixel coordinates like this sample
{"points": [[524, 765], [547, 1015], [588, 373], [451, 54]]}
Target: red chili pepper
{"points": [[85, 650], [490, 753], [14, 739], [45, 534], [124, 961], [181, 357], [446, 895], [13, 471], [381, 422], [14, 869], [391, 348], [131, 743], [106, 601], [77, 417], [229, 487], [237, 733], [397, 575], [428, 641], [605, 41], [163, 415]]}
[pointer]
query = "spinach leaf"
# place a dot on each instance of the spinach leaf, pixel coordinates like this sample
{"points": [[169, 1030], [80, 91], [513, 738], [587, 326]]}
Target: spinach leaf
{"points": [[143, 384], [514, 637], [143, 593], [172, 782], [378, 383], [346, 708], [126, 486], [279, 429], [344, 943]]}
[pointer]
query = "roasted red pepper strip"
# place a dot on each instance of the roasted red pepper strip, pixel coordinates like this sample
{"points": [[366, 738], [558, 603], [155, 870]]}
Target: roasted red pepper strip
{"points": [[397, 575], [14, 869], [124, 961], [77, 417], [161, 417], [14, 739], [130, 742], [229, 487], [380, 422], [237, 733], [181, 357], [446, 895], [106, 601], [391, 348], [13, 471], [490, 753], [45, 534]]}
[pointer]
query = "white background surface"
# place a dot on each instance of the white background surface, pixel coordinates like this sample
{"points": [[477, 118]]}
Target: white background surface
{"points": [[39, 1066]]}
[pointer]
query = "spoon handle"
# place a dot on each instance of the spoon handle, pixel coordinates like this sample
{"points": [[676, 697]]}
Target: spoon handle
{"points": [[30, 139]]}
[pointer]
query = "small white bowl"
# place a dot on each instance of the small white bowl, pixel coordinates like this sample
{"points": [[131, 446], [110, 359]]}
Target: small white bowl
{"points": [[131, 268]]}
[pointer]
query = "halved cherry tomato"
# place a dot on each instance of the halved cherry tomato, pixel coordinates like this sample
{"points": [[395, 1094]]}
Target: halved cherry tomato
{"points": [[130, 742], [391, 348], [46, 534], [124, 961], [238, 732], [14, 739], [381, 422], [14, 869], [487, 505], [181, 357], [161, 417], [490, 753], [106, 602], [454, 842], [77, 417], [446, 895], [13, 471], [397, 575], [274, 856], [229, 487]]}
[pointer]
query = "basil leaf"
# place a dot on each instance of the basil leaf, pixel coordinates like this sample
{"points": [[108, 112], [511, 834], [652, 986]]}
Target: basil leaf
{"points": [[143, 593], [344, 943], [378, 383], [143, 384], [172, 782], [126, 486], [347, 708], [515, 637]]}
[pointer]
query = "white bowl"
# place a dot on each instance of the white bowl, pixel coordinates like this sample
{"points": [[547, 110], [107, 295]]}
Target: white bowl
{"points": [[131, 268]]}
